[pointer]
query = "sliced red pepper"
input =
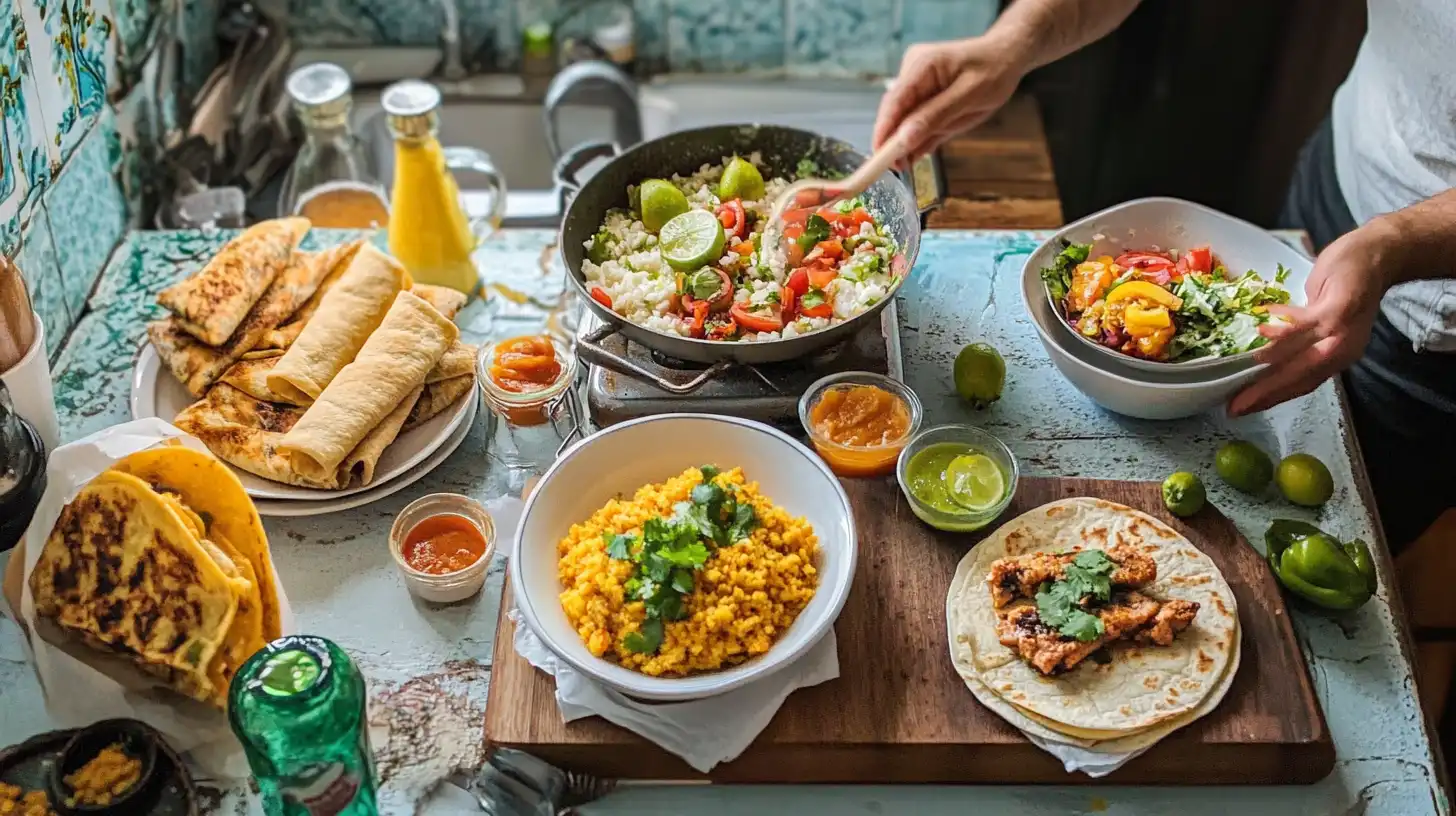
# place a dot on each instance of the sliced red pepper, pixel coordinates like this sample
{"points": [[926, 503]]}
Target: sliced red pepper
{"points": [[755, 322], [600, 296], [798, 281], [732, 217], [700, 317], [825, 309], [790, 308]]}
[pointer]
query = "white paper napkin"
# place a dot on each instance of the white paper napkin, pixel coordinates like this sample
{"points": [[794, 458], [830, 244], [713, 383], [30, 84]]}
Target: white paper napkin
{"points": [[703, 732], [1086, 760]]}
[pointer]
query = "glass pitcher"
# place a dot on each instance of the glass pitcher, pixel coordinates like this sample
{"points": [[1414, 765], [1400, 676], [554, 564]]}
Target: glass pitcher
{"points": [[429, 231], [330, 182]]}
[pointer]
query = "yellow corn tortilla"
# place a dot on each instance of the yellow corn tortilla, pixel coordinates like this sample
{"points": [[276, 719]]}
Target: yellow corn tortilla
{"points": [[349, 313], [213, 303], [391, 365]]}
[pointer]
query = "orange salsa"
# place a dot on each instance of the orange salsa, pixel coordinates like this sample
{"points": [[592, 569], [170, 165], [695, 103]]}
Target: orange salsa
{"points": [[862, 423], [525, 365], [443, 544]]}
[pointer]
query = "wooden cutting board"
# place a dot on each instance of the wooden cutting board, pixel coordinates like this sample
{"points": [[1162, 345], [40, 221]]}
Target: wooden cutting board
{"points": [[899, 713]]}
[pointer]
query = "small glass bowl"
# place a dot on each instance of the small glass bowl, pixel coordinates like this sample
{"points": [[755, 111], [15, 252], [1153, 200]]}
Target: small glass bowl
{"points": [[859, 460], [978, 441], [528, 409], [452, 586]]}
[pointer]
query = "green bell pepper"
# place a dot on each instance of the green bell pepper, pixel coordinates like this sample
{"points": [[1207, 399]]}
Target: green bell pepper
{"points": [[1318, 567]]}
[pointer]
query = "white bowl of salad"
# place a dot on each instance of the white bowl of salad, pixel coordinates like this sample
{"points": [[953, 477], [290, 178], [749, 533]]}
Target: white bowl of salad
{"points": [[1164, 285]]}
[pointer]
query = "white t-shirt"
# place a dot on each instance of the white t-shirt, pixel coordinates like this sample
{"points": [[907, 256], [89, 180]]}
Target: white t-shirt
{"points": [[1394, 122]]}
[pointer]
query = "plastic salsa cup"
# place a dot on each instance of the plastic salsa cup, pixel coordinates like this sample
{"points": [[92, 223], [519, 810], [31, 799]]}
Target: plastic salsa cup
{"points": [[969, 440], [859, 460]]}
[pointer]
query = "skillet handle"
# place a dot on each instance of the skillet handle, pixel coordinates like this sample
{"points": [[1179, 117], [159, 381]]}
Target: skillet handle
{"points": [[566, 173], [588, 350]]}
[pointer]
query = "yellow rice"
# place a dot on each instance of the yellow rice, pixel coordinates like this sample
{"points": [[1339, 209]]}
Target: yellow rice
{"points": [[743, 599]]}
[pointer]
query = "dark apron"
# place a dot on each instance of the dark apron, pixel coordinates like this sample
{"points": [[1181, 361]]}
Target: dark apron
{"points": [[1403, 401]]}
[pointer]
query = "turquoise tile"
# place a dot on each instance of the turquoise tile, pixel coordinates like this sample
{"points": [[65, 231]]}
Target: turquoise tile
{"points": [[197, 29], [711, 37], [31, 158], [87, 212], [651, 31], [842, 37], [324, 23], [135, 21], [489, 36], [938, 20], [69, 42], [38, 263]]}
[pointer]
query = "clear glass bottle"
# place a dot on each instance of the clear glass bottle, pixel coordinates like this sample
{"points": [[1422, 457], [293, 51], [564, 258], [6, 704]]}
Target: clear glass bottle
{"points": [[330, 181]]}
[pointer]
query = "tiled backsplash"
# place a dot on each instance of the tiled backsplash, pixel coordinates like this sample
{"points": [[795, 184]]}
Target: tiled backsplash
{"points": [[62, 209], [799, 37]]}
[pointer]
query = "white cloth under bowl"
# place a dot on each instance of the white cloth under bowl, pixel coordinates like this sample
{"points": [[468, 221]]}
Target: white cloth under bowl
{"points": [[703, 732]]}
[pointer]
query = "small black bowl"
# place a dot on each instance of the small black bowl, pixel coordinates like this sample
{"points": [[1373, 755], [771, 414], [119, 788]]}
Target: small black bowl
{"points": [[136, 738]]}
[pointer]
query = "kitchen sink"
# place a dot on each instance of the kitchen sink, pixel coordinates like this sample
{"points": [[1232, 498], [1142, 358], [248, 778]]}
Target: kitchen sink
{"points": [[512, 131]]}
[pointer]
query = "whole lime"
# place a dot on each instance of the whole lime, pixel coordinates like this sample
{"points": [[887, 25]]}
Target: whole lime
{"points": [[741, 180], [980, 374], [1304, 480], [1183, 494], [1244, 466], [661, 202]]}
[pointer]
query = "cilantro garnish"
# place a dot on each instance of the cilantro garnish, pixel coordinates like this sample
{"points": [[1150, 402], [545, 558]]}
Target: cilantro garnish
{"points": [[816, 229], [812, 298], [670, 550], [1061, 604]]}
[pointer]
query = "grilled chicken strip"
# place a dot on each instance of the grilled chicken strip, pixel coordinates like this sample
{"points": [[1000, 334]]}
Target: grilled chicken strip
{"points": [[1019, 576], [1128, 615]]}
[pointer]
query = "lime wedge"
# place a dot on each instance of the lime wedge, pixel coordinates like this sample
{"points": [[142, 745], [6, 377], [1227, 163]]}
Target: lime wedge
{"points": [[741, 180], [974, 481], [661, 202], [691, 240]]}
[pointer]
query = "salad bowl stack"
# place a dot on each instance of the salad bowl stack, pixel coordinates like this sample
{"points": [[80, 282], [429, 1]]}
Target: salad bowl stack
{"points": [[1149, 389]]}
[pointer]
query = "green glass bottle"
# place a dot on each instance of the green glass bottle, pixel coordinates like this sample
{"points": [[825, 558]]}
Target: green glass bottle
{"points": [[297, 707]]}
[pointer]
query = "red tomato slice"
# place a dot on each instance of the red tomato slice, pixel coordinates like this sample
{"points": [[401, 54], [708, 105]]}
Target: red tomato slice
{"points": [[1199, 259], [755, 322], [798, 281], [732, 217], [821, 275], [832, 248], [1143, 260], [824, 309], [791, 304], [795, 218], [600, 296]]}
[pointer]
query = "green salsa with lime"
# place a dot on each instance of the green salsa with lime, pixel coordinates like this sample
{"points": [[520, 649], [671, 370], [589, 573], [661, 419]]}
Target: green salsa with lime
{"points": [[955, 479]]}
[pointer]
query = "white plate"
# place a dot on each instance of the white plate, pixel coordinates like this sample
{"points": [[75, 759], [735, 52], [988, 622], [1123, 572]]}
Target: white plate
{"points": [[156, 393], [293, 509]]}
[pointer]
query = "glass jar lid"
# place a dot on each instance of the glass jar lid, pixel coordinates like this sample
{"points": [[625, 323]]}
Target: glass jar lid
{"points": [[320, 89], [412, 106]]}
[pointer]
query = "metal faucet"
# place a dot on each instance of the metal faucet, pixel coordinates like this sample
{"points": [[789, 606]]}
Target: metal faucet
{"points": [[452, 64]]}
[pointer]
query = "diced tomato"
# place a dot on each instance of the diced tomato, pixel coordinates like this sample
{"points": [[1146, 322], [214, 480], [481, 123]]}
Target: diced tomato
{"points": [[600, 296], [795, 218], [832, 248], [732, 217], [744, 248], [793, 253], [791, 304], [1143, 260], [755, 322], [700, 316], [825, 309], [1199, 260], [798, 281], [821, 275], [899, 266]]}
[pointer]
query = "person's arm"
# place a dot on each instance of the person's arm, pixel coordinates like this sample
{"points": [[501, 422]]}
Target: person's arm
{"points": [[946, 88], [1329, 333]]}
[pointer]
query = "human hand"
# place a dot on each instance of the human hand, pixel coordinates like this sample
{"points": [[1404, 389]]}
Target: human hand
{"points": [[945, 89], [1329, 333]]}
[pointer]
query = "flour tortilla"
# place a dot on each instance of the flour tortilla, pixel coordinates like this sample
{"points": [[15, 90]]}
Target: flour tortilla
{"points": [[213, 303], [389, 370], [1143, 686], [336, 261], [437, 397], [346, 318]]}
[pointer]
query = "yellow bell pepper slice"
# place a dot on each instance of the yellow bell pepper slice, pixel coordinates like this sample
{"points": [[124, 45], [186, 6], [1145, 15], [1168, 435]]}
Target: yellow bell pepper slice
{"points": [[1145, 291], [1141, 322]]}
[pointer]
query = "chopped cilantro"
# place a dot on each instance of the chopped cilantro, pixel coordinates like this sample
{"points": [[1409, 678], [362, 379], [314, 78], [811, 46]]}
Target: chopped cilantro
{"points": [[816, 229], [812, 298], [646, 639], [619, 547], [1086, 581]]}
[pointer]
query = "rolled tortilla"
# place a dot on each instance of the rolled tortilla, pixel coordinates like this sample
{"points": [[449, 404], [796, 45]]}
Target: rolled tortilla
{"points": [[250, 374], [437, 397], [354, 307], [213, 303], [198, 366], [392, 364], [459, 360], [360, 462], [447, 301]]}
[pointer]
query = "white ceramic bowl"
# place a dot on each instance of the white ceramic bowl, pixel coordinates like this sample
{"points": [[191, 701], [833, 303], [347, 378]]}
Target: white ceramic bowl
{"points": [[1143, 394], [1169, 223], [622, 458]]}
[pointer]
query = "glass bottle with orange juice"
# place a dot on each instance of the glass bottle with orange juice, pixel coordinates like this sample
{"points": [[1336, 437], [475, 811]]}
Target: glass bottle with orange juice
{"points": [[330, 181], [429, 231]]}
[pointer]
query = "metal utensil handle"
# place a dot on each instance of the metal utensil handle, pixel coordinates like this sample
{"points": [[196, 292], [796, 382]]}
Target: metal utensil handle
{"points": [[567, 168], [589, 351], [478, 161]]}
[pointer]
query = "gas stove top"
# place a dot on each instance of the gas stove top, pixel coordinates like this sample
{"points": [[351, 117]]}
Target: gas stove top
{"points": [[767, 393]]}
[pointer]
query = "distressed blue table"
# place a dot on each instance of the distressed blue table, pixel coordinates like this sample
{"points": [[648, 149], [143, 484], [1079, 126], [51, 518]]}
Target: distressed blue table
{"points": [[429, 667]]}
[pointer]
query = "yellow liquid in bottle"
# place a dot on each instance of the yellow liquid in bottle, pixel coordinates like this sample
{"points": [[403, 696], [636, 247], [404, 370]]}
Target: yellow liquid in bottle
{"points": [[428, 230]]}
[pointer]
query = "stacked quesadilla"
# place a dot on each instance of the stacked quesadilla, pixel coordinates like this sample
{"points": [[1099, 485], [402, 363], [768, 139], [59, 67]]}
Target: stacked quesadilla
{"points": [[162, 561], [264, 329]]}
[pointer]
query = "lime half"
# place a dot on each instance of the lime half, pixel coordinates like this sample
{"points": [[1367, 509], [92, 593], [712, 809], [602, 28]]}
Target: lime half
{"points": [[661, 202], [741, 180], [974, 481], [691, 240]]}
